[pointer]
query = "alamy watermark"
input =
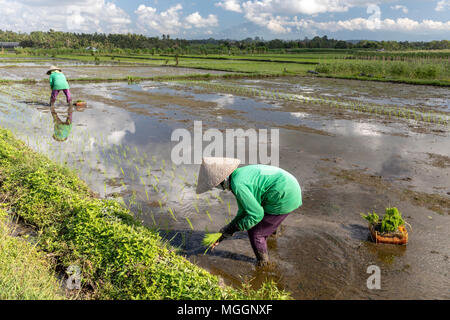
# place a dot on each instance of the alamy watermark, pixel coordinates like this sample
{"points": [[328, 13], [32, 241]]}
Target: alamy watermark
{"points": [[374, 281], [74, 279], [374, 21], [251, 146]]}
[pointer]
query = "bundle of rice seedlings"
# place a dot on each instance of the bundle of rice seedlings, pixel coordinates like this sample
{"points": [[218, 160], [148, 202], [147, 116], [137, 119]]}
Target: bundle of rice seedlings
{"points": [[209, 239]]}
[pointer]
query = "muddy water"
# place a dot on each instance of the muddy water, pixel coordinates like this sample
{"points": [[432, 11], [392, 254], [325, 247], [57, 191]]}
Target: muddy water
{"points": [[367, 91], [121, 146], [92, 71], [45, 62]]}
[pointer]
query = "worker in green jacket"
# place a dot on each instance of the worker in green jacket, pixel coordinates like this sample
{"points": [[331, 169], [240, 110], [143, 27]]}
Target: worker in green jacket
{"points": [[58, 82], [265, 196]]}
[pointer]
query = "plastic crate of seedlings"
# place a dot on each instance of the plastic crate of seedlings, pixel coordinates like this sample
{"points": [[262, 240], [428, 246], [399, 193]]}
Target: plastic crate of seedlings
{"points": [[391, 229], [80, 103]]}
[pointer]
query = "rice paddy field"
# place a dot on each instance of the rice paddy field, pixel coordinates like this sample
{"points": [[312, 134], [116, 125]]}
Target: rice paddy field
{"points": [[356, 146]]}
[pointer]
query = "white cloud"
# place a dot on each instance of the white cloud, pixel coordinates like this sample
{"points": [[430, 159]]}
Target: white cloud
{"points": [[64, 15], [166, 22], [308, 7], [283, 25], [442, 5], [400, 24], [277, 16], [171, 21], [400, 7], [197, 21], [230, 5]]}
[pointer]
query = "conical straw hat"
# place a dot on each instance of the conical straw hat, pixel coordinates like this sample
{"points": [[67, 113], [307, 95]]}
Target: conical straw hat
{"points": [[213, 171], [53, 68]]}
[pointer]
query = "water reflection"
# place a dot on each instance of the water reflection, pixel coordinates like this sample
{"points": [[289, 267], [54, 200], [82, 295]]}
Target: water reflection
{"points": [[61, 129]]}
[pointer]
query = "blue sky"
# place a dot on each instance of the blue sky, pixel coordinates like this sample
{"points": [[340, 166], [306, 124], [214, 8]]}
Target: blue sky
{"points": [[236, 19]]}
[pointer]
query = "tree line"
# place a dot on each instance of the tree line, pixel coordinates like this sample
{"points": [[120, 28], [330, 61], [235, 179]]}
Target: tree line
{"points": [[108, 42]]}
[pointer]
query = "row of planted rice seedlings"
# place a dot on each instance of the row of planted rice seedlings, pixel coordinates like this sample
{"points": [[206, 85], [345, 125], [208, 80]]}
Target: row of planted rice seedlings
{"points": [[149, 171], [117, 167], [151, 182], [400, 112]]}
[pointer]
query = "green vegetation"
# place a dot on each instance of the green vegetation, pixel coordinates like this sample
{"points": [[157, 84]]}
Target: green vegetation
{"points": [[372, 218], [118, 257], [25, 274], [126, 43], [210, 238], [407, 62], [423, 68], [390, 222], [389, 70], [402, 55]]}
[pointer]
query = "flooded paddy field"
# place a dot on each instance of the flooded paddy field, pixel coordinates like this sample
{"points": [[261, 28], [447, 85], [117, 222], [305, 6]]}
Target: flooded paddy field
{"points": [[47, 61], [348, 160], [367, 91], [104, 71]]}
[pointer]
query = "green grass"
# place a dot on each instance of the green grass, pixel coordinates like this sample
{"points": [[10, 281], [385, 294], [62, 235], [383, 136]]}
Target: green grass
{"points": [[424, 71], [119, 258], [25, 274], [403, 55], [421, 73]]}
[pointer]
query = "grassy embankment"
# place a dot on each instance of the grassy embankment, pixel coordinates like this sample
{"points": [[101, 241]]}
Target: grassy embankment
{"points": [[119, 258], [429, 72], [25, 274]]}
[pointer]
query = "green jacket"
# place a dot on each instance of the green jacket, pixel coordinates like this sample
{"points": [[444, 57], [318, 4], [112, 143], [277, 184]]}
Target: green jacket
{"points": [[263, 189], [58, 81]]}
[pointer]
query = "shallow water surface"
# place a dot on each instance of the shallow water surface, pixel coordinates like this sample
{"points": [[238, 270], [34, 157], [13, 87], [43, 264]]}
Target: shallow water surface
{"points": [[346, 164], [89, 70]]}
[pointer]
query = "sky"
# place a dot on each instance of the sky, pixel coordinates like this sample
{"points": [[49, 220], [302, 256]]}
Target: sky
{"points": [[412, 20]]}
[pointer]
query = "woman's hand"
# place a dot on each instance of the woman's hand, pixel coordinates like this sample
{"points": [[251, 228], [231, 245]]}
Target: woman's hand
{"points": [[229, 230], [217, 242]]}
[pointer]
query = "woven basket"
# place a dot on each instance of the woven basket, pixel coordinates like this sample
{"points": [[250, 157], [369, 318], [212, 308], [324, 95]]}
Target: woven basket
{"points": [[399, 237], [81, 104]]}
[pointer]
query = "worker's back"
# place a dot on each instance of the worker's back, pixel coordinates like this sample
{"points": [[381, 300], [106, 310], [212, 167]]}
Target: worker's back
{"points": [[275, 189], [58, 81]]}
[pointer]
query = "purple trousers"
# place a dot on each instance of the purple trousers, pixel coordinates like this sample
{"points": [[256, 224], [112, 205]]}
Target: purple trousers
{"points": [[268, 225], [55, 95]]}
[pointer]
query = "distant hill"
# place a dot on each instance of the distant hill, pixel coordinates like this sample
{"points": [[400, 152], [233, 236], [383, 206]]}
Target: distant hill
{"points": [[358, 41]]}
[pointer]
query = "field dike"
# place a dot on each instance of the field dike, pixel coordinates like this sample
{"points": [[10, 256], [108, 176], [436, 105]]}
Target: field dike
{"points": [[25, 273], [118, 257]]}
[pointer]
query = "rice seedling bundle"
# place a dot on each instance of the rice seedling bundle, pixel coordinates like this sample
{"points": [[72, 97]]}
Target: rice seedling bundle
{"points": [[209, 239]]}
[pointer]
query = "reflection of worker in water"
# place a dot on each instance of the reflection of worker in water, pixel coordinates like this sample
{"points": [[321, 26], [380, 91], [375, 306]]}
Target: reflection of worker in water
{"points": [[265, 196], [61, 128], [58, 82]]}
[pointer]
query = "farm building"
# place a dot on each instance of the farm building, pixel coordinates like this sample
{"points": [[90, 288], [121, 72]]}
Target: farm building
{"points": [[9, 45]]}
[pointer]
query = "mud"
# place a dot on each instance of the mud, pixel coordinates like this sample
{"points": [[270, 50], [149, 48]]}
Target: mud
{"points": [[347, 164], [372, 92], [439, 161], [97, 72]]}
